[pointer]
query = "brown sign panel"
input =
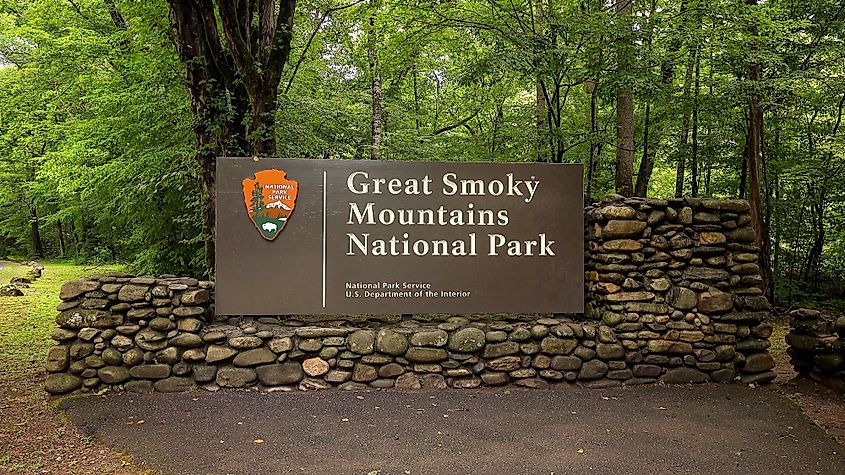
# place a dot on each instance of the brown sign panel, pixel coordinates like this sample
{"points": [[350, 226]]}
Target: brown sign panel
{"points": [[349, 237]]}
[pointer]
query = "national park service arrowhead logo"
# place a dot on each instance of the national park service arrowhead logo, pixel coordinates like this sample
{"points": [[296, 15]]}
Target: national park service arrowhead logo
{"points": [[270, 198]]}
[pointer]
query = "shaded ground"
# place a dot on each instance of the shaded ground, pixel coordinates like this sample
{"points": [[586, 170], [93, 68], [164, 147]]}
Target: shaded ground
{"points": [[824, 406], [710, 429], [34, 436]]}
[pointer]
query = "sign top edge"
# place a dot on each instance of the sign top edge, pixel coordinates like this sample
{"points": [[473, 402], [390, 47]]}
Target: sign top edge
{"points": [[335, 160]]}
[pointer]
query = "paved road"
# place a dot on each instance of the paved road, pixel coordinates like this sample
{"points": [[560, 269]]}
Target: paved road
{"points": [[650, 430]]}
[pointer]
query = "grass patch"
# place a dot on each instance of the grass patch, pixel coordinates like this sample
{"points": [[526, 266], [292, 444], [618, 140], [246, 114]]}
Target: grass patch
{"points": [[26, 322], [9, 269], [780, 327]]}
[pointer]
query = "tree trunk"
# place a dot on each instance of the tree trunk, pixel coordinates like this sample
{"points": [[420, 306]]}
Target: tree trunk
{"points": [[75, 236], [594, 143], [262, 127], [376, 122], [754, 157], [647, 163], [542, 121], [541, 114], [625, 144], [60, 233], [625, 108], [233, 88], [497, 123], [685, 125], [695, 104], [116, 16], [416, 100], [743, 172], [37, 246], [594, 58]]}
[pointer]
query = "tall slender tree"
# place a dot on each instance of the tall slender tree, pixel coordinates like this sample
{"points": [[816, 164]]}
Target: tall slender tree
{"points": [[754, 151], [625, 104], [377, 119]]}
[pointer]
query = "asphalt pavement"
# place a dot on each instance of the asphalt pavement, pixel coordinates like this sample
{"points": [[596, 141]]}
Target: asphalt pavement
{"points": [[726, 429]]}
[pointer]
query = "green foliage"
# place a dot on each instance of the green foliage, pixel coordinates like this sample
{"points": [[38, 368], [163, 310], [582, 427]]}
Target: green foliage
{"points": [[96, 135], [96, 127]]}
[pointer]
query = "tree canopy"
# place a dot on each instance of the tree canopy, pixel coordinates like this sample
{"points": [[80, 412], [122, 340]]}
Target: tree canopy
{"points": [[111, 111]]}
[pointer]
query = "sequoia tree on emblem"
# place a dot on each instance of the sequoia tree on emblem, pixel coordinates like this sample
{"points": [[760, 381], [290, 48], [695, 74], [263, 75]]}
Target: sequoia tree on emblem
{"points": [[270, 198]]}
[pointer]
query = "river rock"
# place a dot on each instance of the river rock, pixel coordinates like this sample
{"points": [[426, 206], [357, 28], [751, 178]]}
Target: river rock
{"points": [[61, 383], [427, 355], [113, 374], [467, 340], [280, 374], [218, 353], [315, 366], [361, 342], [235, 377], [391, 342], [254, 357]]}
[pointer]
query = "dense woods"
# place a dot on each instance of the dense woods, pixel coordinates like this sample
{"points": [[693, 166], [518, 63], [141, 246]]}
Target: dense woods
{"points": [[111, 111]]}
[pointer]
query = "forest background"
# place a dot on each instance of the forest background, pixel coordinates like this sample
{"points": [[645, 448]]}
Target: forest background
{"points": [[111, 111]]}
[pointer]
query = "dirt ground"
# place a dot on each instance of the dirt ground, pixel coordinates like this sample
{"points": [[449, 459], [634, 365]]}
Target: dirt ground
{"points": [[823, 406], [35, 437]]}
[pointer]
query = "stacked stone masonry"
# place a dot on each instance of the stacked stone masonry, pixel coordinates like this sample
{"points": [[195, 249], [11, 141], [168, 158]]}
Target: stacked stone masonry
{"points": [[676, 282], [817, 346], [672, 290]]}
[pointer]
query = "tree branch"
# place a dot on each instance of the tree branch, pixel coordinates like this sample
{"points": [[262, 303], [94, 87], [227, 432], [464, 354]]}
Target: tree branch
{"points": [[116, 17], [457, 124]]}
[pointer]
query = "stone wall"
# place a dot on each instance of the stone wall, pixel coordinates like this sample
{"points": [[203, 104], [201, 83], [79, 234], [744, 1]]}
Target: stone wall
{"points": [[672, 290], [677, 283], [817, 346], [116, 329]]}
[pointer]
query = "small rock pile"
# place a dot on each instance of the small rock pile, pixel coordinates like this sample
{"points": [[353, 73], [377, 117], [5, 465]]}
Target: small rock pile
{"points": [[817, 346], [16, 285], [677, 281]]}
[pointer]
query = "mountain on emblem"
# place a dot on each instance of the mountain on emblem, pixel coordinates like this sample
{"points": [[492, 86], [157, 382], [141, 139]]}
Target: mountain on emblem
{"points": [[270, 198]]}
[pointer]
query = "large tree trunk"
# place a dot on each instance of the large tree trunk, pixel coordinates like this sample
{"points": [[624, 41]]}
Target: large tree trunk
{"points": [[625, 144], [625, 108], [234, 88]]}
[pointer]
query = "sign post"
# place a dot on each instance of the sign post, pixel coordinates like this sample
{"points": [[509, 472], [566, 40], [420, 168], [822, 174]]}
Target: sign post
{"points": [[348, 237]]}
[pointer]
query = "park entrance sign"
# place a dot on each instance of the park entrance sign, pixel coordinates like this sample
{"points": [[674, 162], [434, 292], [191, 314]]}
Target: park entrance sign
{"points": [[348, 236]]}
